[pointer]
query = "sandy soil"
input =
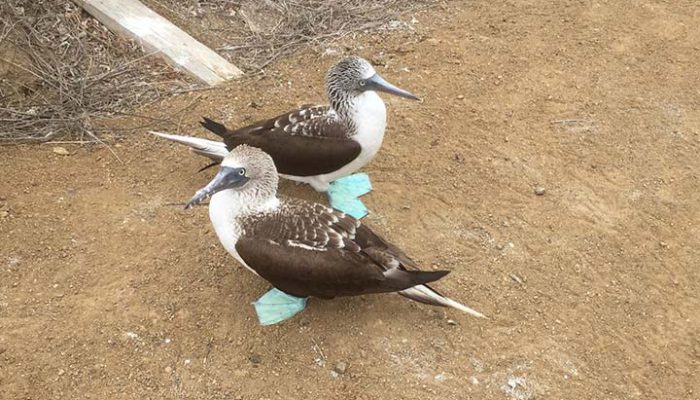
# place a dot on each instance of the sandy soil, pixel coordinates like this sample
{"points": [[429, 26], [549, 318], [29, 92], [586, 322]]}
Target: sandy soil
{"points": [[108, 291]]}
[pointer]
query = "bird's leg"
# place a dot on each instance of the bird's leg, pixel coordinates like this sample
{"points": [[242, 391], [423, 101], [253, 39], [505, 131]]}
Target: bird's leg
{"points": [[276, 306], [344, 193]]}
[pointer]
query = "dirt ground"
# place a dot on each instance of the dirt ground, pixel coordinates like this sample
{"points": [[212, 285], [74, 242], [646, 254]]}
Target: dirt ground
{"points": [[109, 290]]}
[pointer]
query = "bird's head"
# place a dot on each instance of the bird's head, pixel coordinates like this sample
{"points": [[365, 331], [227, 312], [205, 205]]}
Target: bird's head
{"points": [[350, 77], [245, 169]]}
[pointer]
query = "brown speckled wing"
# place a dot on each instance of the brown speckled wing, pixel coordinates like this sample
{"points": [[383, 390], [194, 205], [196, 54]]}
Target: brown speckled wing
{"points": [[304, 142], [307, 249], [304, 113], [304, 224]]}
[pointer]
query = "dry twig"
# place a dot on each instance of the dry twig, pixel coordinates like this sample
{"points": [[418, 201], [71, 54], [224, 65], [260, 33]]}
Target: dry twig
{"points": [[61, 70], [259, 32]]}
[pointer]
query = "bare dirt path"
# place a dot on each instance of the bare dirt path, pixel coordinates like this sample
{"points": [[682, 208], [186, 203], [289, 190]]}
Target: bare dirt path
{"points": [[109, 292]]}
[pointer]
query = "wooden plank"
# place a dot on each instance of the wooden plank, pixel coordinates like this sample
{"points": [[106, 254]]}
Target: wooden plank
{"points": [[156, 34]]}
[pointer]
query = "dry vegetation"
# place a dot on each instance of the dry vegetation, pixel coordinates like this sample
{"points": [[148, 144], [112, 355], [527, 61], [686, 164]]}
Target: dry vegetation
{"points": [[257, 33], [61, 70]]}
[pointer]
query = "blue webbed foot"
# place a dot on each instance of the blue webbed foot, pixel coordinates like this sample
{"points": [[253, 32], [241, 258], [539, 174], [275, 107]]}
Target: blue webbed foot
{"points": [[343, 194], [276, 306]]}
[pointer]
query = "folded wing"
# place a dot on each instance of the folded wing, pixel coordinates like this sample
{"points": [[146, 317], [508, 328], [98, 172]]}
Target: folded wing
{"points": [[312, 250], [304, 142]]}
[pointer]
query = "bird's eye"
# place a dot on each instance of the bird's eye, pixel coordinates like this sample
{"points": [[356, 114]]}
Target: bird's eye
{"points": [[363, 82], [241, 172]]}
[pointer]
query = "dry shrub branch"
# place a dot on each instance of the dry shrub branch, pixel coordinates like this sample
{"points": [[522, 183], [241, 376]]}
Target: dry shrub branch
{"points": [[61, 70], [255, 33]]}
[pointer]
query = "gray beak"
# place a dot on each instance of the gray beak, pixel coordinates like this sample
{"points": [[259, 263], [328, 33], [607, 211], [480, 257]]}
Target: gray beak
{"points": [[227, 178], [376, 82]]}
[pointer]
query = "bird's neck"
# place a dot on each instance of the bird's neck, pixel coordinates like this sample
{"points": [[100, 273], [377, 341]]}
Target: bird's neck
{"points": [[364, 112], [229, 205], [227, 211]]}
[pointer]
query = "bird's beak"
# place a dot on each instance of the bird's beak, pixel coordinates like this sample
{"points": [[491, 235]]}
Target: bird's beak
{"points": [[378, 83], [227, 178]]}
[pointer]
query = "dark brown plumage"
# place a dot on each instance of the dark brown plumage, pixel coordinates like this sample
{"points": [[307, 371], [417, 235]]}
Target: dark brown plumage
{"points": [[311, 250], [302, 142]]}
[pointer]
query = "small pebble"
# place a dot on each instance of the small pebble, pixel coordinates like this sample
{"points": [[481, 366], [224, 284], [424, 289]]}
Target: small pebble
{"points": [[377, 59], [340, 367], [331, 52], [255, 358], [451, 322], [240, 373], [460, 97], [539, 190], [61, 151], [61, 372], [168, 370], [516, 278]]}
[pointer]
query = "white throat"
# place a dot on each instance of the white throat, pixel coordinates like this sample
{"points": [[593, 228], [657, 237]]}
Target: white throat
{"points": [[369, 116]]}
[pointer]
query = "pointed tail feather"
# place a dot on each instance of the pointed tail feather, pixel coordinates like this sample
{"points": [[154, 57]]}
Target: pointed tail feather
{"points": [[400, 278], [425, 294], [214, 127], [204, 147]]}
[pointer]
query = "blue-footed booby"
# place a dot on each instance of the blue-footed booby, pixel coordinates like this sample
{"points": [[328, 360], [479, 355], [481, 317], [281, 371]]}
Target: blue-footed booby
{"points": [[304, 249], [316, 144]]}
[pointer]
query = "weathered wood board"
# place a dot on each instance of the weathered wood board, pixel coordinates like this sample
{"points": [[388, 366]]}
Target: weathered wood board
{"points": [[156, 34]]}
